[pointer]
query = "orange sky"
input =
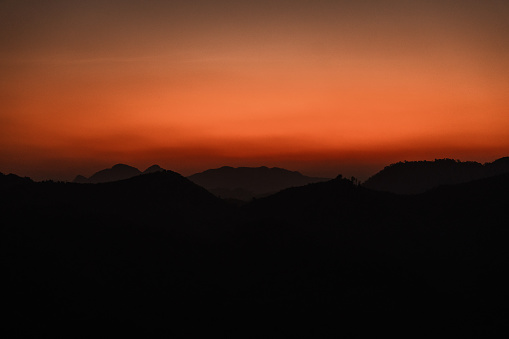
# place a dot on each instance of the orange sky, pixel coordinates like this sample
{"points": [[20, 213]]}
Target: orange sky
{"points": [[325, 87]]}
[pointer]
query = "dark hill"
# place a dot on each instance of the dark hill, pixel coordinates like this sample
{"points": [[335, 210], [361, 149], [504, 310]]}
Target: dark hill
{"points": [[338, 211], [419, 176], [173, 197], [498, 166], [100, 248], [442, 250], [80, 179], [248, 182], [168, 194], [153, 169], [10, 180]]}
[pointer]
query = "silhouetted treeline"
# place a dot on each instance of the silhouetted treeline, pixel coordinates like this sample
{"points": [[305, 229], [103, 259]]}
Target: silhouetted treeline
{"points": [[157, 254]]}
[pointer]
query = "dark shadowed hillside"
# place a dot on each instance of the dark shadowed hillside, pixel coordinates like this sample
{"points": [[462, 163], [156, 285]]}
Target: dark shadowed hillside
{"points": [[96, 251], [244, 183], [443, 251], [9, 180], [157, 254], [419, 176], [173, 197]]}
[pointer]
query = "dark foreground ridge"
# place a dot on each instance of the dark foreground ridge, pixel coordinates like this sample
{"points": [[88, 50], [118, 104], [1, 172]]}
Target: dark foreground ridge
{"points": [[158, 254]]}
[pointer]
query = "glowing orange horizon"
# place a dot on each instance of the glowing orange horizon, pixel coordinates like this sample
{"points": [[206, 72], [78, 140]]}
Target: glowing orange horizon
{"points": [[321, 93]]}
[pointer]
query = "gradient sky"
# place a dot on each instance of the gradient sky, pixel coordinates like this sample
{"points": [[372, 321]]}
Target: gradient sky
{"points": [[324, 87]]}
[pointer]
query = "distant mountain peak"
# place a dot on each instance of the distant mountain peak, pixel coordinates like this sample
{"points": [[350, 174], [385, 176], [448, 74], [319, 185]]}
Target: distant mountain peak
{"points": [[115, 173], [153, 169]]}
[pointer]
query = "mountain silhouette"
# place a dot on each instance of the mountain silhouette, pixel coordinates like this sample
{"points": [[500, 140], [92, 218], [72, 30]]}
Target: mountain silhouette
{"points": [[498, 166], [153, 169], [150, 200], [117, 172], [244, 183], [157, 254], [80, 179], [414, 177]]}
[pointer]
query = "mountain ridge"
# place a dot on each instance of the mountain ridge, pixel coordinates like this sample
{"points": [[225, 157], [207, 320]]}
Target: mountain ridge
{"points": [[241, 183], [413, 177], [172, 247], [250, 182], [115, 173]]}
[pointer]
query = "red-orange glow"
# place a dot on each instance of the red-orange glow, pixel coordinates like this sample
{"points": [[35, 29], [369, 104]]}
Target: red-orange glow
{"points": [[306, 90]]}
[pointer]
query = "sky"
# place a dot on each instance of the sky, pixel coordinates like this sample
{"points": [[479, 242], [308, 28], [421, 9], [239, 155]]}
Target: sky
{"points": [[324, 87]]}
